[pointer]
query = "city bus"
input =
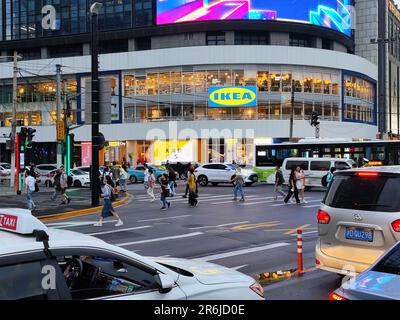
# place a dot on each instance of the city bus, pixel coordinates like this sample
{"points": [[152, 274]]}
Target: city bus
{"points": [[371, 153]]}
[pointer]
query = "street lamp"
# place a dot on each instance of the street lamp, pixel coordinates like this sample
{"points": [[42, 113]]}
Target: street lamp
{"points": [[95, 182]]}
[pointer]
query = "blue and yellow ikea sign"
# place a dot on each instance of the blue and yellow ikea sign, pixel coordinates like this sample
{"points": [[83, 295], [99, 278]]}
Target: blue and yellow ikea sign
{"points": [[230, 97]]}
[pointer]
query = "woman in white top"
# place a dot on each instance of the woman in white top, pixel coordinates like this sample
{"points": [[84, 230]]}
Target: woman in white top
{"points": [[300, 182]]}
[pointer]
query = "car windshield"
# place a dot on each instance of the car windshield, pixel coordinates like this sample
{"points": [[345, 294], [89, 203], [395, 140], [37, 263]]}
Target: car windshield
{"points": [[231, 166], [376, 193], [390, 263], [6, 166]]}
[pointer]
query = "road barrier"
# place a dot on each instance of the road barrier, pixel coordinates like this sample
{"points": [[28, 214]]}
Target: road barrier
{"points": [[300, 270]]}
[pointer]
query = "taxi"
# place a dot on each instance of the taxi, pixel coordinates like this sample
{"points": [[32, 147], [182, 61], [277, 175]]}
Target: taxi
{"points": [[40, 263]]}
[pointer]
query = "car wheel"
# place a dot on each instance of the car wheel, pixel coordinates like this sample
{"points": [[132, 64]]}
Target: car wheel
{"points": [[77, 184], [203, 181], [133, 179]]}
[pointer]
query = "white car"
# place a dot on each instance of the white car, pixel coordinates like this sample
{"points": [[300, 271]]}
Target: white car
{"points": [[81, 267], [5, 169], [80, 178], [215, 173]]}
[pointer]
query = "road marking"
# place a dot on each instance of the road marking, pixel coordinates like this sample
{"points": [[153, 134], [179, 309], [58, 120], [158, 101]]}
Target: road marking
{"points": [[256, 225], [166, 218], [242, 252], [308, 232], [239, 267], [220, 226], [172, 199], [202, 198], [118, 230], [247, 197], [259, 202], [294, 230], [301, 206], [313, 206], [73, 224], [188, 235]]}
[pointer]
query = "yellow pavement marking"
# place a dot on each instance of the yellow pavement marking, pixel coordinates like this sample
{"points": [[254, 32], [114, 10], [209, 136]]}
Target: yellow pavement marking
{"points": [[303, 227], [256, 225]]}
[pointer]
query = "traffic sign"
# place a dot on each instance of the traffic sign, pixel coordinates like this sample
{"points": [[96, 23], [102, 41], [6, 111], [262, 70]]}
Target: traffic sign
{"points": [[60, 130]]}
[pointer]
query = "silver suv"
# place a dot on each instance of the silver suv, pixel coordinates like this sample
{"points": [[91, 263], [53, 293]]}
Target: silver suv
{"points": [[359, 219]]}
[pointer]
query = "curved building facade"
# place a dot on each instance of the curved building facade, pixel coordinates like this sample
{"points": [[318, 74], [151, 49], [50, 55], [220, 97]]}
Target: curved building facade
{"points": [[165, 75]]}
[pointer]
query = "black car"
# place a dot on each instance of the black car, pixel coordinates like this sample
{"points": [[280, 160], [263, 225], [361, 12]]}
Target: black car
{"points": [[181, 168]]}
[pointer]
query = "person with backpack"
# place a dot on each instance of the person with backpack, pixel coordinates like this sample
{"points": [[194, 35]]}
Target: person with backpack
{"points": [[172, 180], [329, 177], [108, 209], [165, 192], [238, 182], [193, 190], [279, 181]]}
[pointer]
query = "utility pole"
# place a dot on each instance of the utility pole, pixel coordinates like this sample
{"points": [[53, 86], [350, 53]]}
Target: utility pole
{"points": [[95, 181], [58, 114], [64, 103], [292, 112], [14, 172]]}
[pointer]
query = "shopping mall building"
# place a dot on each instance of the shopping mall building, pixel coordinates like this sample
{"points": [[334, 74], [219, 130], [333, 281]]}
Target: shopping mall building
{"points": [[192, 80]]}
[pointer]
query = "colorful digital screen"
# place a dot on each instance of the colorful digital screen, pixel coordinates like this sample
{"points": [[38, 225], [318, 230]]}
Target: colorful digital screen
{"points": [[333, 14]]}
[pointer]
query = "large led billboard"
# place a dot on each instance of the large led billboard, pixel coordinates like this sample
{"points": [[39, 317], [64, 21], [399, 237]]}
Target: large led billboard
{"points": [[333, 14]]}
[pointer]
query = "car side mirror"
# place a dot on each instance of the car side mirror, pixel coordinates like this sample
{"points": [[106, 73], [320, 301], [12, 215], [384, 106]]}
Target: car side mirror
{"points": [[165, 282]]}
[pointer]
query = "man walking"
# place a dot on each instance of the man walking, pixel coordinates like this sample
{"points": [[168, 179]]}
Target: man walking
{"points": [[115, 173], [279, 181], [56, 185], [63, 187], [238, 182], [146, 178], [30, 189]]}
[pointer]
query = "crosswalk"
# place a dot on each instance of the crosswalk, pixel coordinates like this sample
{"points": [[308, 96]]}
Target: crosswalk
{"points": [[225, 199]]}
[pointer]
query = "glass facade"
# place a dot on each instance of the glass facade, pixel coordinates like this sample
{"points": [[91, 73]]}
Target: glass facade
{"points": [[23, 18]]}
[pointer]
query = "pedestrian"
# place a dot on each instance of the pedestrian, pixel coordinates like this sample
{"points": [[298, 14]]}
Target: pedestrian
{"points": [[106, 172], [300, 183], [193, 190], [151, 185], [63, 187], [115, 173], [238, 182], [123, 178], [187, 181], [30, 182], [172, 180], [108, 209], [292, 187], [165, 192], [146, 178], [329, 177], [56, 185], [279, 181]]}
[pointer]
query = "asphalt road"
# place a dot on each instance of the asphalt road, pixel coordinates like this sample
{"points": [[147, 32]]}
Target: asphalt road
{"points": [[253, 237]]}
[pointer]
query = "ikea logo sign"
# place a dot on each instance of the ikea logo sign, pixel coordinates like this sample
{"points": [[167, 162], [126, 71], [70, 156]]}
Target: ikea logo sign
{"points": [[232, 97]]}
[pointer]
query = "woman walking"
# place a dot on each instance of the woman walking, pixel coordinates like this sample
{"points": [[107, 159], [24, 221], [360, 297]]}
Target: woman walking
{"points": [[165, 192], [238, 182], [292, 188], [193, 191], [123, 178], [151, 183], [300, 183], [108, 209]]}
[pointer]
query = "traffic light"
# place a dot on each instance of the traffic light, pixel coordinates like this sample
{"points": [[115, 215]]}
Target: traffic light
{"points": [[23, 135], [70, 152], [30, 136], [315, 119]]}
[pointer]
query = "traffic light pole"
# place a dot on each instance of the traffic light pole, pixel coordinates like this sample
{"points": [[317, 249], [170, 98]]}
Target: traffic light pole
{"points": [[14, 170], [95, 181], [58, 113], [292, 112]]}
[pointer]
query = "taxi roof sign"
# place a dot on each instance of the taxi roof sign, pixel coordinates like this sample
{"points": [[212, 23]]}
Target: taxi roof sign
{"points": [[20, 221]]}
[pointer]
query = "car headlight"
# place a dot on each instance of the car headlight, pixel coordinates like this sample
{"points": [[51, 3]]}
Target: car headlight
{"points": [[257, 288]]}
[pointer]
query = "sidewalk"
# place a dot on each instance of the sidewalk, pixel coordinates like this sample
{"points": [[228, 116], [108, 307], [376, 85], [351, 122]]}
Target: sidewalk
{"points": [[80, 199]]}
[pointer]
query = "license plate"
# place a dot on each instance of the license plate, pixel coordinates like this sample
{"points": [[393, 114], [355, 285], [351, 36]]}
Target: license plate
{"points": [[360, 234]]}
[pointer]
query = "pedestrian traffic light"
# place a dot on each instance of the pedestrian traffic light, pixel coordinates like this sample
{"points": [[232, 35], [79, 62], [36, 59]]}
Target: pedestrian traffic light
{"points": [[30, 136], [22, 136], [315, 119]]}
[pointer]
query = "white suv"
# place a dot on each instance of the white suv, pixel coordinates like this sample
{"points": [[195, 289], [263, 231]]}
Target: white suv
{"points": [[215, 173]]}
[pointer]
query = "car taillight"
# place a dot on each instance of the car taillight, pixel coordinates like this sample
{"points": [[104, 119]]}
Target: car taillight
{"points": [[396, 225], [257, 288], [317, 262], [335, 296], [323, 217], [367, 174]]}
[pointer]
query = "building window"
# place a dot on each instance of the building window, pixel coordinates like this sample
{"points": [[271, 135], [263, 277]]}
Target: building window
{"points": [[113, 46], [143, 43], [300, 41], [215, 38], [326, 44], [251, 38]]}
